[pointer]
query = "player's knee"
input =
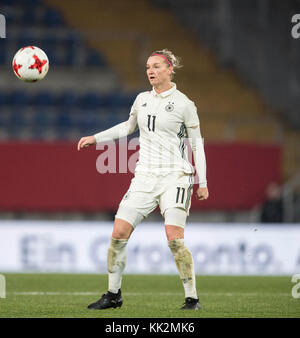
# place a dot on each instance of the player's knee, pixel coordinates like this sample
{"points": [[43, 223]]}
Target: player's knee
{"points": [[122, 229], [174, 232], [120, 234], [175, 217]]}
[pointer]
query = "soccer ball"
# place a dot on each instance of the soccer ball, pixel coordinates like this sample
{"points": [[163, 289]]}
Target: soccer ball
{"points": [[30, 64]]}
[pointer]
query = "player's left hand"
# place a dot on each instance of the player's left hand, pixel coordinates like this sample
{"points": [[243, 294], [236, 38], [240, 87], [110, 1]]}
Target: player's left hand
{"points": [[202, 193]]}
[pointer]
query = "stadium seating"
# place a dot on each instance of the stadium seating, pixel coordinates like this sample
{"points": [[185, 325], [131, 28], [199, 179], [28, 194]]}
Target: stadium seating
{"points": [[261, 50], [208, 76], [61, 47], [38, 114], [84, 112]]}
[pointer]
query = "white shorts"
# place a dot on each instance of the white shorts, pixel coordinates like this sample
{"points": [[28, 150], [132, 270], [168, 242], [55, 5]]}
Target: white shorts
{"points": [[147, 191]]}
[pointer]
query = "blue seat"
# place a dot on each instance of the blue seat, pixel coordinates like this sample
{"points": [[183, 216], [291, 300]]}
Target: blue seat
{"points": [[63, 120], [3, 50], [17, 119], [90, 101], [18, 98], [125, 100], [118, 100], [9, 2], [52, 56], [72, 41], [43, 119], [94, 58], [67, 99], [25, 39], [113, 119], [2, 57], [29, 17], [31, 3], [59, 57], [107, 100], [69, 57], [3, 119], [50, 42], [52, 18], [10, 16], [123, 114], [44, 99], [4, 98], [89, 121]]}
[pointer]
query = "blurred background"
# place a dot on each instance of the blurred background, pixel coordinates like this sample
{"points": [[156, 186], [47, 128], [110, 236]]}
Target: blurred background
{"points": [[241, 68]]}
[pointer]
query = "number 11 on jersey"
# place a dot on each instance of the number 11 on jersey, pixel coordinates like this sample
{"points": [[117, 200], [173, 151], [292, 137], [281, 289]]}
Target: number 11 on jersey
{"points": [[153, 122]]}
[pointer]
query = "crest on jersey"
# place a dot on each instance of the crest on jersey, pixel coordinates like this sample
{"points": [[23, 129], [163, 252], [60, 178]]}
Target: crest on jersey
{"points": [[169, 107]]}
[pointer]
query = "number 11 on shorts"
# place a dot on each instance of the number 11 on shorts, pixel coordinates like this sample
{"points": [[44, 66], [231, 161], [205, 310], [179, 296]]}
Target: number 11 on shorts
{"points": [[180, 191]]}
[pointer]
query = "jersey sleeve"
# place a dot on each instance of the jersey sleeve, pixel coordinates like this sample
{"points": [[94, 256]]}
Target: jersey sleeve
{"points": [[191, 118]]}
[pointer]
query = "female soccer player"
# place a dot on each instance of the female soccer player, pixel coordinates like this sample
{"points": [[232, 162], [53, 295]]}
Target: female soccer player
{"points": [[163, 174]]}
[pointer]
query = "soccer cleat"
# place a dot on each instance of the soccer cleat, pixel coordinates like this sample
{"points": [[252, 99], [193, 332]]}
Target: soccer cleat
{"points": [[107, 300], [191, 304]]}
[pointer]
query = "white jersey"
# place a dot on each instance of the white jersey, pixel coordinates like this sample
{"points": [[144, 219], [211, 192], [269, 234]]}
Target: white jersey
{"points": [[162, 120]]}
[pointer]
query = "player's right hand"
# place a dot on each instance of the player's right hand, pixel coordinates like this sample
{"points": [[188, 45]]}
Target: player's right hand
{"points": [[85, 142]]}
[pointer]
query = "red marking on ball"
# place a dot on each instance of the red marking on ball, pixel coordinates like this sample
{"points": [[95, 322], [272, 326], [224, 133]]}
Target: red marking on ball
{"points": [[38, 64], [16, 68], [27, 47]]}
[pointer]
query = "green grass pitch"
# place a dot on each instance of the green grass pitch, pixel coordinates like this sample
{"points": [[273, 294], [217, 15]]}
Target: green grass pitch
{"points": [[147, 296]]}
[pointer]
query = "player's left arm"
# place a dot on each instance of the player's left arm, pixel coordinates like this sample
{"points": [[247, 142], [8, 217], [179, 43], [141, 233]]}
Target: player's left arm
{"points": [[192, 125], [196, 143]]}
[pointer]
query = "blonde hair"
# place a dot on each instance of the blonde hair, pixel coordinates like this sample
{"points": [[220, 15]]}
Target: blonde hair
{"points": [[174, 61]]}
